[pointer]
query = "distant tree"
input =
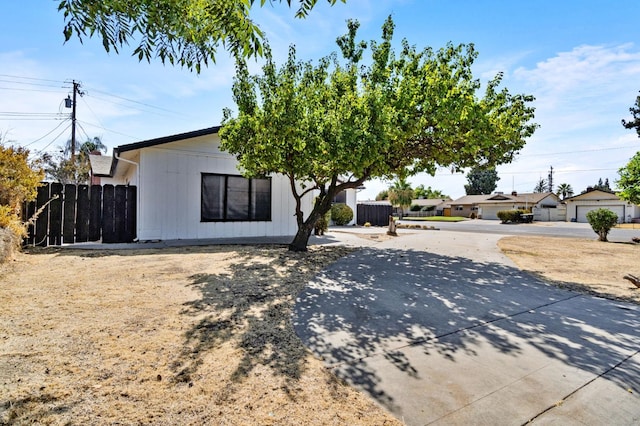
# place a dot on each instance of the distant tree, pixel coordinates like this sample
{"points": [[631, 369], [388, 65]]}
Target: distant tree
{"points": [[564, 190], [61, 168], [382, 195], [602, 186], [635, 123], [629, 181], [400, 193], [482, 180], [541, 186], [188, 33], [427, 193], [601, 221]]}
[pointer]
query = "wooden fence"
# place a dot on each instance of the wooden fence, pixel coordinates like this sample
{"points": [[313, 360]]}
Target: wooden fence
{"points": [[81, 213], [375, 214]]}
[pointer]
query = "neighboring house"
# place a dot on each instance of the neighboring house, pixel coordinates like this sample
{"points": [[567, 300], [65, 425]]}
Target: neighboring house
{"points": [[429, 206], [189, 189], [578, 206], [487, 206], [545, 206], [464, 206]]}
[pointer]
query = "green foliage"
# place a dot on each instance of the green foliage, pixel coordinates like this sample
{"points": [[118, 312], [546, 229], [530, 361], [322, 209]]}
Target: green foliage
{"points": [[322, 224], [482, 180], [185, 32], [334, 125], [415, 208], [511, 216], [601, 221], [400, 193], [564, 190], [603, 186], [341, 214], [19, 181], [629, 180], [541, 186], [427, 193], [635, 123], [382, 195], [64, 169]]}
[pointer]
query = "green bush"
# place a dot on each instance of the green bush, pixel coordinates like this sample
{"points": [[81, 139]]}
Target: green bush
{"points": [[601, 221], [415, 208], [341, 214], [322, 224], [513, 216]]}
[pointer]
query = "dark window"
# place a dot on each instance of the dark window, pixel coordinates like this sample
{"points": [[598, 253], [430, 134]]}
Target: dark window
{"points": [[341, 197], [234, 198]]}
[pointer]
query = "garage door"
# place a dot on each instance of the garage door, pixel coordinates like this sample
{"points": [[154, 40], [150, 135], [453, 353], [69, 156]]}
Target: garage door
{"points": [[583, 210]]}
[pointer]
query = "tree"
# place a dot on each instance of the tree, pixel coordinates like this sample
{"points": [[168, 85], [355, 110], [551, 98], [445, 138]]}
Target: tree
{"points": [[336, 124], [382, 195], [482, 180], [427, 193], [564, 190], [401, 194], [19, 181], [601, 221], [66, 168], [635, 123], [187, 32], [629, 180], [541, 186], [602, 186]]}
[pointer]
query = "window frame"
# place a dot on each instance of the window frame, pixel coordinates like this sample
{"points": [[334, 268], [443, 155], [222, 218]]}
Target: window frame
{"points": [[225, 207]]}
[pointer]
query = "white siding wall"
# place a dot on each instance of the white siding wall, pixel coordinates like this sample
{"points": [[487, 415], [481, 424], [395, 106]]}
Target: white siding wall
{"points": [[170, 194], [353, 203]]}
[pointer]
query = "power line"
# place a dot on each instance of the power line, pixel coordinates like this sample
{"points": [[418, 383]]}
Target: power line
{"points": [[135, 102], [28, 83], [32, 78], [40, 138], [16, 89], [54, 139], [108, 130]]}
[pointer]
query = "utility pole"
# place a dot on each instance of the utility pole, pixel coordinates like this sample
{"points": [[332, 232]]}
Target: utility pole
{"points": [[551, 179], [71, 103]]}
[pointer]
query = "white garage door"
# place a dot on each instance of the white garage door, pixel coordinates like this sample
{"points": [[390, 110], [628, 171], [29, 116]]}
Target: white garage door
{"points": [[583, 210]]}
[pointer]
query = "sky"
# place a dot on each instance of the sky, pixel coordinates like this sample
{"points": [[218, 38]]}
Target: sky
{"points": [[579, 58]]}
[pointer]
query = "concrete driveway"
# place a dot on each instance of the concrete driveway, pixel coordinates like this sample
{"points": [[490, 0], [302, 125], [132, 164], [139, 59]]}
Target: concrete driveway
{"points": [[441, 328]]}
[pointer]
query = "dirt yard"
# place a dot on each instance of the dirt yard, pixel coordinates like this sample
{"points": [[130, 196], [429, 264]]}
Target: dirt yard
{"points": [[198, 335], [584, 265], [202, 335]]}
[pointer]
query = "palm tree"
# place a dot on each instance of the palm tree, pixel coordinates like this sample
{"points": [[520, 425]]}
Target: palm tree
{"points": [[564, 190], [401, 194]]}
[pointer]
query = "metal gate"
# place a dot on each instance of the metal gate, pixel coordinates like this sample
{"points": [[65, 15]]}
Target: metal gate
{"points": [[80, 213]]}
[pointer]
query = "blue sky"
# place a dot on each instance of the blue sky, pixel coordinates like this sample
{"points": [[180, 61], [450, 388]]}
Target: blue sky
{"points": [[580, 59]]}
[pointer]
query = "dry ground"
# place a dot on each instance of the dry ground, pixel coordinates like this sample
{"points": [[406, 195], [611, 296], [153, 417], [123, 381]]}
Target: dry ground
{"points": [[585, 265], [202, 335], [175, 336]]}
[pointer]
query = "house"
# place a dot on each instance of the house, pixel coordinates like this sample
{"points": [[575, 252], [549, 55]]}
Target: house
{"points": [[579, 205], [189, 189], [545, 206], [428, 206], [487, 206]]}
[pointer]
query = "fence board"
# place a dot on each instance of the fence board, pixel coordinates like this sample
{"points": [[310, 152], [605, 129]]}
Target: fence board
{"points": [[95, 215], [55, 215], [28, 211], [42, 223], [130, 224], [69, 212], [82, 214], [121, 208], [108, 214]]}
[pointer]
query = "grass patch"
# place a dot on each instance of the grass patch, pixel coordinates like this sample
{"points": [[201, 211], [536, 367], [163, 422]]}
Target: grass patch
{"points": [[435, 218]]}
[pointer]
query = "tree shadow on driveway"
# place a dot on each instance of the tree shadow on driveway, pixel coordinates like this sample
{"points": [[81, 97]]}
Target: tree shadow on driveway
{"points": [[377, 303]]}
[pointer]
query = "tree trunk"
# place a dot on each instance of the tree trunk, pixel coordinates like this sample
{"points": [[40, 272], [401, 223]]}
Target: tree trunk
{"points": [[301, 240]]}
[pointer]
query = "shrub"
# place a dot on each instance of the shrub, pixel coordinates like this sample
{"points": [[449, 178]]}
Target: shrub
{"points": [[322, 224], [513, 216], [601, 221], [415, 208], [341, 214], [367, 224]]}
